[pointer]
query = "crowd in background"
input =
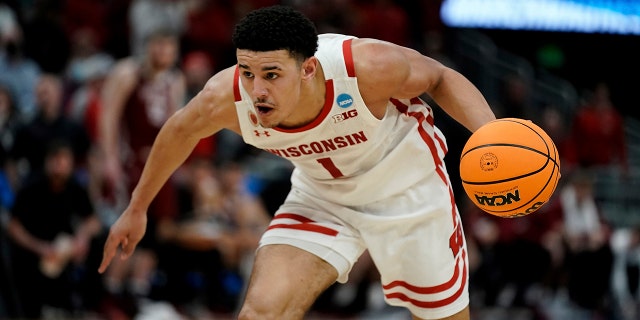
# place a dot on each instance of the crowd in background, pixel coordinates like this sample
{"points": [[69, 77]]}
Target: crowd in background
{"points": [[85, 86]]}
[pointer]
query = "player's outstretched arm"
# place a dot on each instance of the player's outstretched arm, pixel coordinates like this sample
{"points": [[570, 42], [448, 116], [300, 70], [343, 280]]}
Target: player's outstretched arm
{"points": [[386, 70], [210, 111]]}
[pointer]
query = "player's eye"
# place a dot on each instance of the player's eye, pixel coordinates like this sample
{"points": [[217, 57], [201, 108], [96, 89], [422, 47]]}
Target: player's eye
{"points": [[271, 76], [247, 74]]}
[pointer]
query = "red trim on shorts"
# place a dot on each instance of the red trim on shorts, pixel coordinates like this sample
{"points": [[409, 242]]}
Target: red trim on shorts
{"points": [[328, 103], [305, 224], [348, 57], [435, 289], [236, 85]]}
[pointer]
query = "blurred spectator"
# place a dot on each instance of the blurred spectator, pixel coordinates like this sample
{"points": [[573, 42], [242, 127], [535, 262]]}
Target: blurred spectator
{"points": [[138, 96], [208, 240], [587, 244], [87, 59], [516, 98], [384, 20], [556, 125], [198, 68], [511, 259], [147, 16], [597, 134], [50, 124], [333, 16], [242, 7], [7, 197], [117, 42], [208, 29], [9, 119], [8, 20], [46, 40], [87, 16], [625, 286], [18, 72], [85, 74], [52, 238]]}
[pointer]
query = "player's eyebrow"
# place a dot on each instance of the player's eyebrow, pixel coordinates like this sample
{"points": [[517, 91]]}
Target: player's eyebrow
{"points": [[268, 68], [271, 68]]}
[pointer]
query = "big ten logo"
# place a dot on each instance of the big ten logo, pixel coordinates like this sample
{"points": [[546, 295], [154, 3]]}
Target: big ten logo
{"points": [[529, 210], [499, 200], [345, 115]]}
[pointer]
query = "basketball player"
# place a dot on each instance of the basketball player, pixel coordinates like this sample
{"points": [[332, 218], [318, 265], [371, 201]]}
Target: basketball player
{"points": [[369, 164], [138, 97]]}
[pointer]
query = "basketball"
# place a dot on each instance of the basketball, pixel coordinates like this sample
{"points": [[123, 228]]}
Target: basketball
{"points": [[509, 167]]}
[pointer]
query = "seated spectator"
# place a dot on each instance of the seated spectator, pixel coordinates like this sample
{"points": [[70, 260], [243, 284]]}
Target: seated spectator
{"points": [[586, 235], [50, 124], [598, 133], [51, 229], [18, 72], [625, 286], [214, 239]]}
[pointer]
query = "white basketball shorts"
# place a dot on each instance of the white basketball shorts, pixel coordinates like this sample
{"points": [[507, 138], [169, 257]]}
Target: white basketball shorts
{"points": [[415, 239]]}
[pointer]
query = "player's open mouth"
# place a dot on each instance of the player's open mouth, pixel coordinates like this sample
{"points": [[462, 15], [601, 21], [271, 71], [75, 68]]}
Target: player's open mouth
{"points": [[263, 109]]}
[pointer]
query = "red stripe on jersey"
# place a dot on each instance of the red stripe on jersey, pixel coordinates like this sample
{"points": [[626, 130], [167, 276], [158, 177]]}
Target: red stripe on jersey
{"points": [[348, 58], [403, 108], [437, 303], [443, 145], [305, 224], [236, 85], [328, 103]]}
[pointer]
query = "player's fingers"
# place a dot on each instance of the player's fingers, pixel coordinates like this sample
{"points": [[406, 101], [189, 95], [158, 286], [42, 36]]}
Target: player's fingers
{"points": [[127, 248], [110, 247]]}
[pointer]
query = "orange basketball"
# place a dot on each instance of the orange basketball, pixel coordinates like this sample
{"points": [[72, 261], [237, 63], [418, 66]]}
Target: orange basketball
{"points": [[509, 167]]}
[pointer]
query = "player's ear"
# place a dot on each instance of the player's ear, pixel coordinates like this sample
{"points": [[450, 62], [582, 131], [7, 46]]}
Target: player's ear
{"points": [[309, 68]]}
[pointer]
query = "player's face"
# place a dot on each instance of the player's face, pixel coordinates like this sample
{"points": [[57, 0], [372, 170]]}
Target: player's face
{"points": [[163, 52], [273, 79]]}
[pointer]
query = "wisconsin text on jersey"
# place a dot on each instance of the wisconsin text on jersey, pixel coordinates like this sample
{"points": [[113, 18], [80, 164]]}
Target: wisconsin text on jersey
{"points": [[321, 146]]}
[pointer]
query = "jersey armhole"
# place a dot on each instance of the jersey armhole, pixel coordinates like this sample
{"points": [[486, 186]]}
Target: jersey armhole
{"points": [[348, 58]]}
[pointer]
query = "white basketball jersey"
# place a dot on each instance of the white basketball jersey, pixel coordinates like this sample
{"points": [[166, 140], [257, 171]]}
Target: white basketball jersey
{"points": [[346, 155]]}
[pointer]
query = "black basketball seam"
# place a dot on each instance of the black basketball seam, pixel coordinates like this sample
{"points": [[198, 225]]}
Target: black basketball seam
{"points": [[548, 155], [539, 135], [539, 192], [512, 178]]}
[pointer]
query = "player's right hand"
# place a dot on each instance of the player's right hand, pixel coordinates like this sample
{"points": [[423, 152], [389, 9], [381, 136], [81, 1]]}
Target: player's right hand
{"points": [[124, 234]]}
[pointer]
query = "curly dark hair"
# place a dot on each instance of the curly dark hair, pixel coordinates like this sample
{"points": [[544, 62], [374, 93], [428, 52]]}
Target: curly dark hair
{"points": [[277, 27]]}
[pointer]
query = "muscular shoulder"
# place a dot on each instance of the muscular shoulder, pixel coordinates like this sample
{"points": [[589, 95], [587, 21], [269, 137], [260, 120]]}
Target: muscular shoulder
{"points": [[381, 68], [387, 70], [216, 100]]}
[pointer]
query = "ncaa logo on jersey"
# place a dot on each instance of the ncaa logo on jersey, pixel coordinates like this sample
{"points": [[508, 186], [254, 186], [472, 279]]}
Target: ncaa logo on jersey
{"points": [[344, 100]]}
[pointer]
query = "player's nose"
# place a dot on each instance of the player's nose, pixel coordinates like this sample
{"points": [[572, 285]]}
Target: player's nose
{"points": [[260, 88]]}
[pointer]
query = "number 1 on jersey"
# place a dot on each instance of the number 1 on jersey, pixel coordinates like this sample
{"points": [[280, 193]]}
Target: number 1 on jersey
{"points": [[328, 164]]}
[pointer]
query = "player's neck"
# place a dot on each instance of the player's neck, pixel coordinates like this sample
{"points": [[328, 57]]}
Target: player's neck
{"points": [[153, 71], [315, 94]]}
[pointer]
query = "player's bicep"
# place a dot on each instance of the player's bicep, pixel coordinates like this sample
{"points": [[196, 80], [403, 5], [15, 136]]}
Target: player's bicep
{"points": [[423, 77], [387, 70]]}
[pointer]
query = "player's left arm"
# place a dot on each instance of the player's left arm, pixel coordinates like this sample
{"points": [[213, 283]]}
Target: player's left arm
{"points": [[386, 70]]}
